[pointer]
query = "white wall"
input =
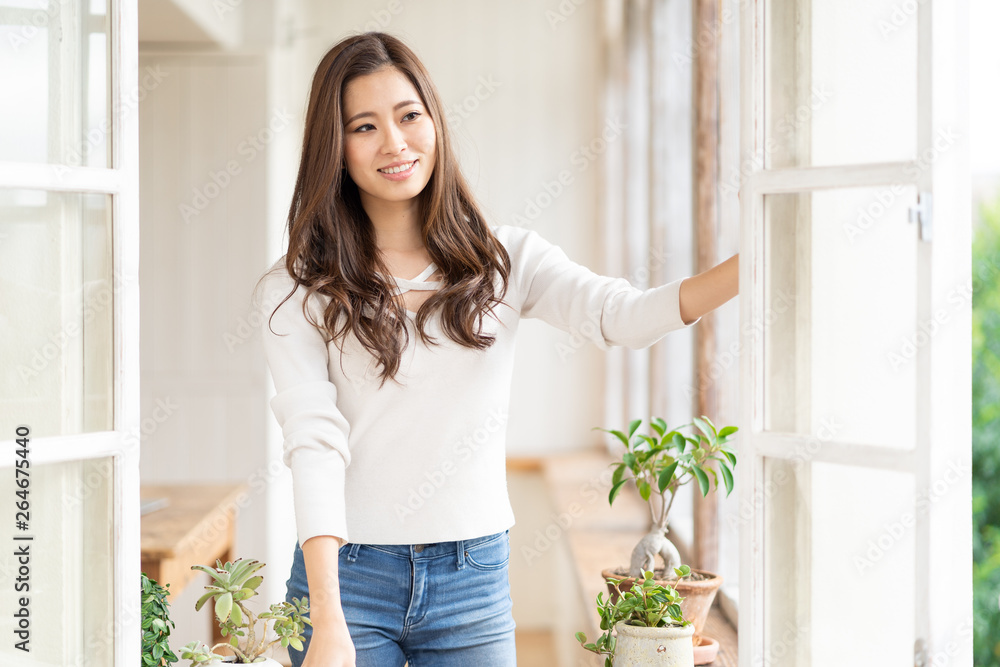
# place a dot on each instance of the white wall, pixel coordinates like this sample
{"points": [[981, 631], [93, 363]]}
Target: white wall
{"points": [[203, 185]]}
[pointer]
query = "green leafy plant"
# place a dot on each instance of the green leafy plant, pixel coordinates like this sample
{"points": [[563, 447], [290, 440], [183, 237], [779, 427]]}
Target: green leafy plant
{"points": [[232, 585], [986, 434], [645, 604], [659, 465], [155, 625]]}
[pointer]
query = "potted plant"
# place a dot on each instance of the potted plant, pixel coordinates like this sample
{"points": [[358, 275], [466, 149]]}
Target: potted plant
{"points": [[649, 626], [658, 466], [155, 625], [232, 585]]}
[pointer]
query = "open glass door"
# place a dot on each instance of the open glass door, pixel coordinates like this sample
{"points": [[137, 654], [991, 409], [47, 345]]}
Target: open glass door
{"points": [[69, 333], [856, 387]]}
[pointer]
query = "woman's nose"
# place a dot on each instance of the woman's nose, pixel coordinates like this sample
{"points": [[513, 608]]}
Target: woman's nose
{"points": [[394, 141]]}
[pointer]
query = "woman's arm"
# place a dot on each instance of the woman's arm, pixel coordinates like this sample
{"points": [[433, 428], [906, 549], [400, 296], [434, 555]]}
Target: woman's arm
{"points": [[331, 644], [322, 554], [710, 289]]}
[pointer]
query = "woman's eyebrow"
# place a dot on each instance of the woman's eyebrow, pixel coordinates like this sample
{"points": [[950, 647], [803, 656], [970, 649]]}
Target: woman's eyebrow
{"points": [[372, 113]]}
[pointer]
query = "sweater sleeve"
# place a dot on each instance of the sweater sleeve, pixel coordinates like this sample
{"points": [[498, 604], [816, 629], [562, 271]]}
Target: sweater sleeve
{"points": [[315, 432], [607, 311]]}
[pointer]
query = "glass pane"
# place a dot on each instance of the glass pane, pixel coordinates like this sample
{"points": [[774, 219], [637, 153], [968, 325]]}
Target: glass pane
{"points": [[841, 82], [839, 565], [69, 564], [834, 257], [56, 323], [55, 80]]}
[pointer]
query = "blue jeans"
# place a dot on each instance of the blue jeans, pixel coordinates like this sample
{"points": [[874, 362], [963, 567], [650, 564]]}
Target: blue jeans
{"points": [[443, 604]]}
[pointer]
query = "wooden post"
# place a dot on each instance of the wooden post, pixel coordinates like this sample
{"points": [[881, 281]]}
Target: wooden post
{"points": [[706, 168]]}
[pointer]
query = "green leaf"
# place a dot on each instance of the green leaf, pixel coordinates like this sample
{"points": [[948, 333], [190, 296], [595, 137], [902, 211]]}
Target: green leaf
{"points": [[730, 456], [618, 434], [650, 441], [236, 616], [223, 605], [727, 477], [729, 430], [580, 637], [644, 489], [704, 426], [218, 577], [666, 475], [614, 491], [619, 472], [702, 479], [632, 426], [658, 425], [629, 459], [295, 642], [680, 442]]}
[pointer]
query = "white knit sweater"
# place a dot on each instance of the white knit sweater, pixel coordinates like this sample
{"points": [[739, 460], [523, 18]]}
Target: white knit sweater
{"points": [[424, 462]]}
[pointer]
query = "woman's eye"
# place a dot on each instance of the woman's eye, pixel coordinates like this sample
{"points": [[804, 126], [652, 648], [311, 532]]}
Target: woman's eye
{"points": [[359, 128], [412, 113]]}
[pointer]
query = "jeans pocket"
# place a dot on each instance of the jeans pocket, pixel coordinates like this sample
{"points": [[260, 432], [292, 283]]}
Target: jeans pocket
{"points": [[492, 554]]}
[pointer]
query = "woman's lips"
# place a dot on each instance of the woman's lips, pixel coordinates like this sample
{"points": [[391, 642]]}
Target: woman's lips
{"points": [[402, 175]]}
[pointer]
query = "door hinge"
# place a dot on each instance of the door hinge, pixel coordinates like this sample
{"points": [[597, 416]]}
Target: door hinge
{"points": [[920, 213]]}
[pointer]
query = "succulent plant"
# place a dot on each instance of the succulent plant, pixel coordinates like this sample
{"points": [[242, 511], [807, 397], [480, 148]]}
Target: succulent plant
{"points": [[232, 585]]}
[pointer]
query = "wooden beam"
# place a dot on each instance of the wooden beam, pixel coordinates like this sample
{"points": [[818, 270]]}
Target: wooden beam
{"points": [[705, 79]]}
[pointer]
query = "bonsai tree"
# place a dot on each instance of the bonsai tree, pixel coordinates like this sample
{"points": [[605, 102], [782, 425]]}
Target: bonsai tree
{"points": [[155, 629], [645, 603], [232, 585], [659, 466]]}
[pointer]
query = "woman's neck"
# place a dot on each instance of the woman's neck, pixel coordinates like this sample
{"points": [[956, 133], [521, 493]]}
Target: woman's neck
{"points": [[397, 225]]}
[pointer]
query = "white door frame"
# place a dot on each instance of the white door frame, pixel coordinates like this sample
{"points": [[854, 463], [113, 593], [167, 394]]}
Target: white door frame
{"points": [[121, 181], [943, 558]]}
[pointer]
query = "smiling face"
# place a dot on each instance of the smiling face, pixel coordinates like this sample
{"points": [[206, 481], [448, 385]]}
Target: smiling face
{"points": [[389, 137]]}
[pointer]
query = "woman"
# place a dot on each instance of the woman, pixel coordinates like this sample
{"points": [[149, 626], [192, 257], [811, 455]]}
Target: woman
{"points": [[391, 349]]}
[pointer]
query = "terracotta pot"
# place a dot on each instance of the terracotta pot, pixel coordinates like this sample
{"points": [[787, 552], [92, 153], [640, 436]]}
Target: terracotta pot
{"points": [[698, 595], [637, 646], [705, 649]]}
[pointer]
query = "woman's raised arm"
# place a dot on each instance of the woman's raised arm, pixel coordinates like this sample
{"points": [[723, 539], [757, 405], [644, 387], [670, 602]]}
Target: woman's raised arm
{"points": [[710, 289]]}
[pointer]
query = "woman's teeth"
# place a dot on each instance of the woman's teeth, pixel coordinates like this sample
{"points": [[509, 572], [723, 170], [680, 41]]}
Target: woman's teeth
{"points": [[396, 170]]}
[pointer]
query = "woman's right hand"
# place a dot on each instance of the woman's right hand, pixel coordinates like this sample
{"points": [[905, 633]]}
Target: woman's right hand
{"points": [[330, 646]]}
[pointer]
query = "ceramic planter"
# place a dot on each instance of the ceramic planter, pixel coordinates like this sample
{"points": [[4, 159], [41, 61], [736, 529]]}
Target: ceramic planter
{"points": [[638, 646]]}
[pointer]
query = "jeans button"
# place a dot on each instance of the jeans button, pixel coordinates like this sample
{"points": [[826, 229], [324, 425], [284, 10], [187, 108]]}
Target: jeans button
{"points": [[418, 548]]}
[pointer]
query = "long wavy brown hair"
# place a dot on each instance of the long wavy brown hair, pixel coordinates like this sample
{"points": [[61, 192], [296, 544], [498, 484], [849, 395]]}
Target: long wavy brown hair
{"points": [[331, 240]]}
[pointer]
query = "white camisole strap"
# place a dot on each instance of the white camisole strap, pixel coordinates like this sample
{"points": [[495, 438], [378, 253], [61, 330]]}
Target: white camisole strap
{"points": [[419, 282]]}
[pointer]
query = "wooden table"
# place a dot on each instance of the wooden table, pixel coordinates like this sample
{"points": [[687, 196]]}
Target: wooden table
{"points": [[196, 528]]}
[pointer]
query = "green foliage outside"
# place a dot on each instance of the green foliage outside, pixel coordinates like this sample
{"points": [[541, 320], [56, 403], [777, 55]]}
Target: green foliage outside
{"points": [[986, 435]]}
